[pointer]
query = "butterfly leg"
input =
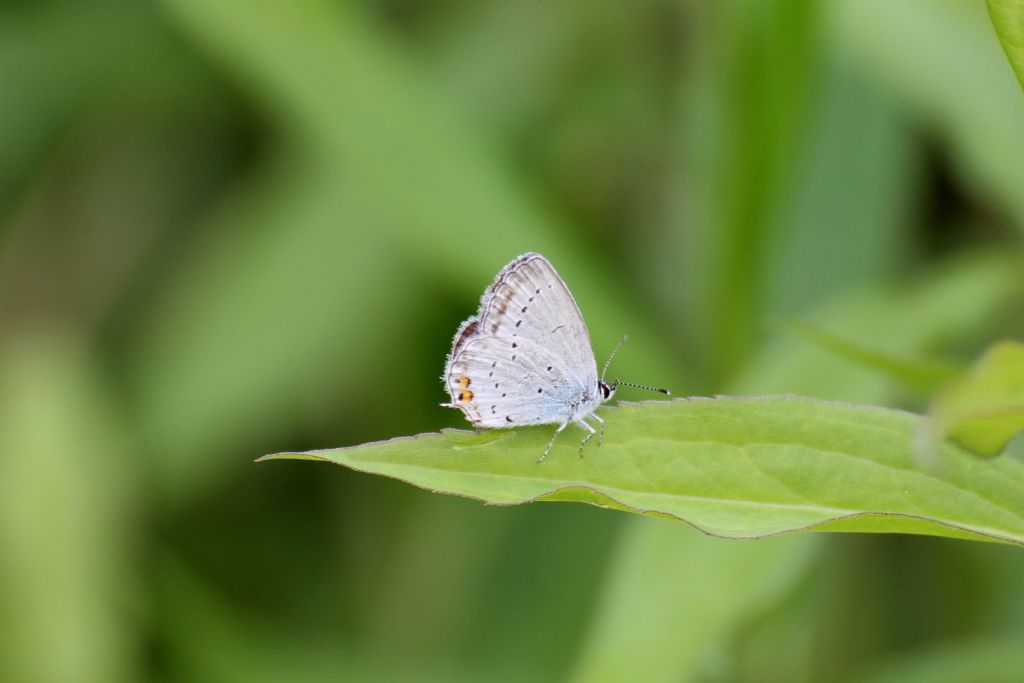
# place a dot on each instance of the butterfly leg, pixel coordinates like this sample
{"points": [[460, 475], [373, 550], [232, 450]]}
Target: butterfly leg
{"points": [[552, 442], [588, 437], [600, 435]]}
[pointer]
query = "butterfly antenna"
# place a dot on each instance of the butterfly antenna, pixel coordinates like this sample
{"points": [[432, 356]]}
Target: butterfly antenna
{"points": [[618, 383], [608, 362]]}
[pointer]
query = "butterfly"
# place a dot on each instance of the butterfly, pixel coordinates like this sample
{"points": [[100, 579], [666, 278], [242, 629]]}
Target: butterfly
{"points": [[525, 358]]}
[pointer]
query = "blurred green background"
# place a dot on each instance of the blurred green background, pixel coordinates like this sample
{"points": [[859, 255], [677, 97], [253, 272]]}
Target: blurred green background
{"points": [[229, 229]]}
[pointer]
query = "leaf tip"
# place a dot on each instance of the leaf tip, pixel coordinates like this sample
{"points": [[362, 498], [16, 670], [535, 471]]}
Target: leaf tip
{"points": [[288, 455]]}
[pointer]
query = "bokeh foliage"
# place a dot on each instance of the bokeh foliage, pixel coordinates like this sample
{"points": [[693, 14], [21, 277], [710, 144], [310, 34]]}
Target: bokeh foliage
{"points": [[229, 230]]}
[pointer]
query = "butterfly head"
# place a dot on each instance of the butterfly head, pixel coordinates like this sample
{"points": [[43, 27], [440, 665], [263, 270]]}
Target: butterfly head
{"points": [[605, 390]]}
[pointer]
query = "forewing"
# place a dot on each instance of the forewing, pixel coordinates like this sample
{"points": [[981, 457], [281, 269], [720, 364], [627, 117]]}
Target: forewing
{"points": [[529, 301], [510, 381]]}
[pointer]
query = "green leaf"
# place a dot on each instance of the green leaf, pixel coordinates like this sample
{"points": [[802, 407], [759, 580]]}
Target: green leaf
{"points": [[963, 297], [923, 375], [732, 467], [1008, 20], [984, 409]]}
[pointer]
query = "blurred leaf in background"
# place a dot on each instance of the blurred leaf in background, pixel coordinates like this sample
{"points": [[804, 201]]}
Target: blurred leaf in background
{"points": [[230, 231], [1008, 20], [984, 409]]}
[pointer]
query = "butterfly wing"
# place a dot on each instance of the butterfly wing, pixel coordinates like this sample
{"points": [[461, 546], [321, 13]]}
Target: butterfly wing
{"points": [[509, 382], [529, 300]]}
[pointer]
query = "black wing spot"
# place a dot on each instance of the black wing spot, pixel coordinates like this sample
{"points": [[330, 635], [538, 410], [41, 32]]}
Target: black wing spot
{"points": [[513, 357], [494, 364], [503, 395], [518, 323], [523, 309], [508, 418], [537, 292], [549, 368], [495, 385], [540, 391], [493, 409], [490, 374], [514, 345]]}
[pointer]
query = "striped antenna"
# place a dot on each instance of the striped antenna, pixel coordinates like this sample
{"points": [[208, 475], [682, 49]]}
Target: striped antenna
{"points": [[625, 338], [618, 383]]}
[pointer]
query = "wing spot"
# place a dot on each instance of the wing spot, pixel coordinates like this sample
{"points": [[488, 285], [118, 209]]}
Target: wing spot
{"points": [[514, 345], [523, 310], [494, 364], [513, 357], [518, 323], [493, 409], [503, 395], [490, 374], [540, 391], [549, 368], [537, 292], [508, 418]]}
